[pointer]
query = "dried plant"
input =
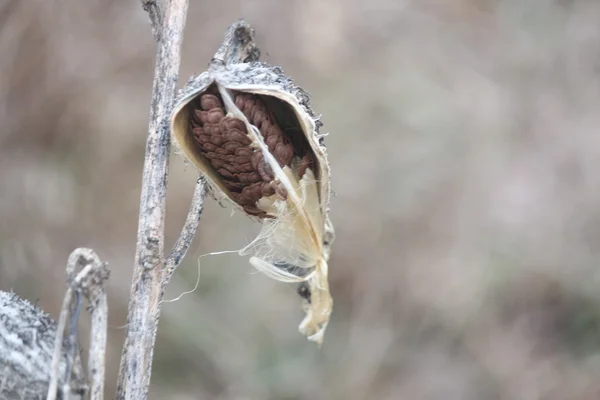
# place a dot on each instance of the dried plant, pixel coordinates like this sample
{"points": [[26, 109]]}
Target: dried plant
{"points": [[255, 139], [253, 134], [88, 283], [39, 358], [27, 336], [151, 270]]}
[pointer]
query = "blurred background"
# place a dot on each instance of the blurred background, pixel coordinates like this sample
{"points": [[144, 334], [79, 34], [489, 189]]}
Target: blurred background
{"points": [[465, 151]]}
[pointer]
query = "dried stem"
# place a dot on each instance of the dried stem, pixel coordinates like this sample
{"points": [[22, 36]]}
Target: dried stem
{"points": [[187, 233], [89, 282], [147, 287], [96, 365], [98, 308], [62, 322], [152, 271]]}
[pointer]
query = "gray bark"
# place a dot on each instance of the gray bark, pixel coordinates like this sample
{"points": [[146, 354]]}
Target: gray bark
{"points": [[152, 270], [147, 284]]}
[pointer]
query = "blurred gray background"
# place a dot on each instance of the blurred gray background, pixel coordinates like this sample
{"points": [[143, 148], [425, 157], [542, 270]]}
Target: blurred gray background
{"points": [[465, 149]]}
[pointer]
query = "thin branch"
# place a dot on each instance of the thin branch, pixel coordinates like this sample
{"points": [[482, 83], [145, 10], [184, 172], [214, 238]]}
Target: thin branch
{"points": [[58, 341], [97, 363], [98, 308], [146, 289], [188, 232], [152, 271], [89, 282]]}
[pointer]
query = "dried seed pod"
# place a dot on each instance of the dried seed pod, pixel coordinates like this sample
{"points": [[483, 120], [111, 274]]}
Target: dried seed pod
{"points": [[254, 136]]}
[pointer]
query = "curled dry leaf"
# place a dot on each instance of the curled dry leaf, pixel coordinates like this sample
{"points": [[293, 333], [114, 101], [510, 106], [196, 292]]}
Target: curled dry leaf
{"points": [[254, 136]]}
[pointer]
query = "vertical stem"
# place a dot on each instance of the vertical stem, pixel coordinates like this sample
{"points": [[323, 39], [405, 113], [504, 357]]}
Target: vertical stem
{"points": [[144, 309], [96, 361]]}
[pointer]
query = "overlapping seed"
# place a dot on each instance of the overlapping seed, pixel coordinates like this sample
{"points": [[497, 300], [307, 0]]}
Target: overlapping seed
{"points": [[223, 140]]}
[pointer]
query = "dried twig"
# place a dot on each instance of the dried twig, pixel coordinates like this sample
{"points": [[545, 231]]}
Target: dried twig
{"points": [[93, 289], [147, 287], [187, 233], [89, 283], [152, 271]]}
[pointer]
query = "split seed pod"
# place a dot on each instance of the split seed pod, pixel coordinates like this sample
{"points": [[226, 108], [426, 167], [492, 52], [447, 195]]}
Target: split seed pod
{"points": [[252, 133]]}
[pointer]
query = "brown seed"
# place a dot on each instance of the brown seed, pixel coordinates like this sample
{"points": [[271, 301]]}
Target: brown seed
{"points": [[229, 158], [280, 190], [256, 159], [283, 153], [234, 195], [245, 167], [198, 117], [214, 116], [231, 168], [209, 101], [217, 140], [271, 141], [225, 143], [204, 117], [217, 164], [230, 123], [243, 152], [231, 146], [210, 155], [213, 129], [236, 136], [253, 210], [242, 160], [209, 146], [249, 177], [225, 174], [244, 101], [267, 189], [251, 193], [202, 139], [305, 162], [259, 119], [265, 172], [238, 185]]}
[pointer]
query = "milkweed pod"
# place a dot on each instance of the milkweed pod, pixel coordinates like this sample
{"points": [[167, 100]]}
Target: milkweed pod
{"points": [[254, 136]]}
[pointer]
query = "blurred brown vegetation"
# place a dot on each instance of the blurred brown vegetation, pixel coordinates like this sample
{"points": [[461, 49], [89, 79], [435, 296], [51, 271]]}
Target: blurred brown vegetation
{"points": [[465, 147]]}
